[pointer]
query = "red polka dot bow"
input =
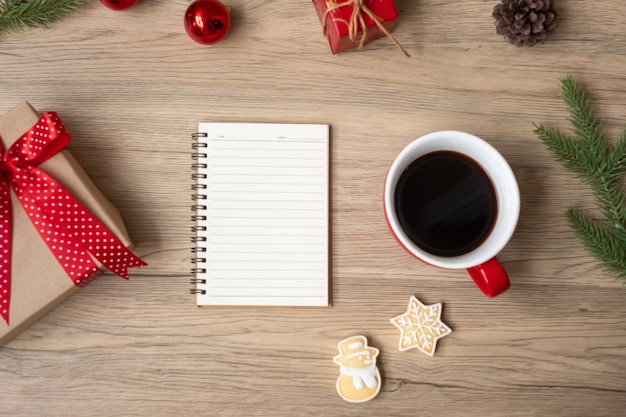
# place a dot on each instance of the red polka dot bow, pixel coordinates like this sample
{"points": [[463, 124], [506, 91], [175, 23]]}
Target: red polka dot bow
{"points": [[71, 233]]}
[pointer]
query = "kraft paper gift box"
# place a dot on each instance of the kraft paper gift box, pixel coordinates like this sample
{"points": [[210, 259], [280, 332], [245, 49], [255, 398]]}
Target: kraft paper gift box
{"points": [[38, 282], [338, 21]]}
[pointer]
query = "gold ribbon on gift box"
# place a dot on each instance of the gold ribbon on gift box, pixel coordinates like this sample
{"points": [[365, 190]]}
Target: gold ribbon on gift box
{"points": [[358, 20]]}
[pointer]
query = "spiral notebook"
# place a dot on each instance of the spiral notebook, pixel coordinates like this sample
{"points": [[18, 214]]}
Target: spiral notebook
{"points": [[261, 214]]}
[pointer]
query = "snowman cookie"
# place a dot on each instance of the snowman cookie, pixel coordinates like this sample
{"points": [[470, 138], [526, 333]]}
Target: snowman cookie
{"points": [[359, 378]]}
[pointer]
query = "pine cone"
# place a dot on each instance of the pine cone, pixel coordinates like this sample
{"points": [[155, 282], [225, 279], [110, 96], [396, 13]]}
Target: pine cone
{"points": [[525, 22]]}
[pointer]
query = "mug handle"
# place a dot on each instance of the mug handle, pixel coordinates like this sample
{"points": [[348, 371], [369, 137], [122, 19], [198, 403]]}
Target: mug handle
{"points": [[490, 277]]}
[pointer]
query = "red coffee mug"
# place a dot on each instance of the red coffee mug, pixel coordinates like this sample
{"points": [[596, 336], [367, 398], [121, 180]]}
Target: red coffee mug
{"points": [[480, 262]]}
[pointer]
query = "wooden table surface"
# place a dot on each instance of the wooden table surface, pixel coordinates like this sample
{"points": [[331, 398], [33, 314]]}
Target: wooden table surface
{"points": [[131, 87]]}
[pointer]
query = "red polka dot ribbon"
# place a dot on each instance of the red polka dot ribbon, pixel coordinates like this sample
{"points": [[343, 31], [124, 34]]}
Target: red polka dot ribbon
{"points": [[71, 233]]}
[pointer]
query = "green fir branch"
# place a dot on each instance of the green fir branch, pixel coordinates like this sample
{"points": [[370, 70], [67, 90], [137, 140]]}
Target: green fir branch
{"points": [[602, 167], [617, 158], [17, 15], [585, 125], [603, 243], [572, 153]]}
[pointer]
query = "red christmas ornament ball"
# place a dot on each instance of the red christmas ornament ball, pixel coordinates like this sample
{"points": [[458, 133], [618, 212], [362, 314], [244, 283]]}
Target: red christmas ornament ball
{"points": [[207, 21], [119, 4]]}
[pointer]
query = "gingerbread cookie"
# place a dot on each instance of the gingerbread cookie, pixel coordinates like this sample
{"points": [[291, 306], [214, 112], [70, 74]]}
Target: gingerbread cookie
{"points": [[421, 327], [359, 378]]}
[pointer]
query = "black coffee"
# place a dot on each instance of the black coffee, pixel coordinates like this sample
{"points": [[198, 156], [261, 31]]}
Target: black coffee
{"points": [[445, 203]]}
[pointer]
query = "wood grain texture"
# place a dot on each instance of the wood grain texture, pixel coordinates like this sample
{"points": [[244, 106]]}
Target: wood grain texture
{"points": [[131, 87]]}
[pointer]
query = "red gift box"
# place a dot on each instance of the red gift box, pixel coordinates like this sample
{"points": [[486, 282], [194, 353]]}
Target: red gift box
{"points": [[350, 24]]}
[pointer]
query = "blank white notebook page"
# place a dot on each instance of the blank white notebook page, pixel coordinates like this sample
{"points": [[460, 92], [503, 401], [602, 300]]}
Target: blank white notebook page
{"points": [[267, 214]]}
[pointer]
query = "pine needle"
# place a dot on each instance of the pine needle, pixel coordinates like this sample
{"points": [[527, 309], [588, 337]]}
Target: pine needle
{"points": [[17, 15], [602, 167]]}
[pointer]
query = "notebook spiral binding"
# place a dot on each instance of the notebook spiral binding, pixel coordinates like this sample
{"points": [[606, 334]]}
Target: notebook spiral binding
{"points": [[197, 156]]}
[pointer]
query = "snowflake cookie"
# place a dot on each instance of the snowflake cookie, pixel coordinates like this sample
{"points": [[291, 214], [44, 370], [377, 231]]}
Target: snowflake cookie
{"points": [[421, 327], [359, 378]]}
